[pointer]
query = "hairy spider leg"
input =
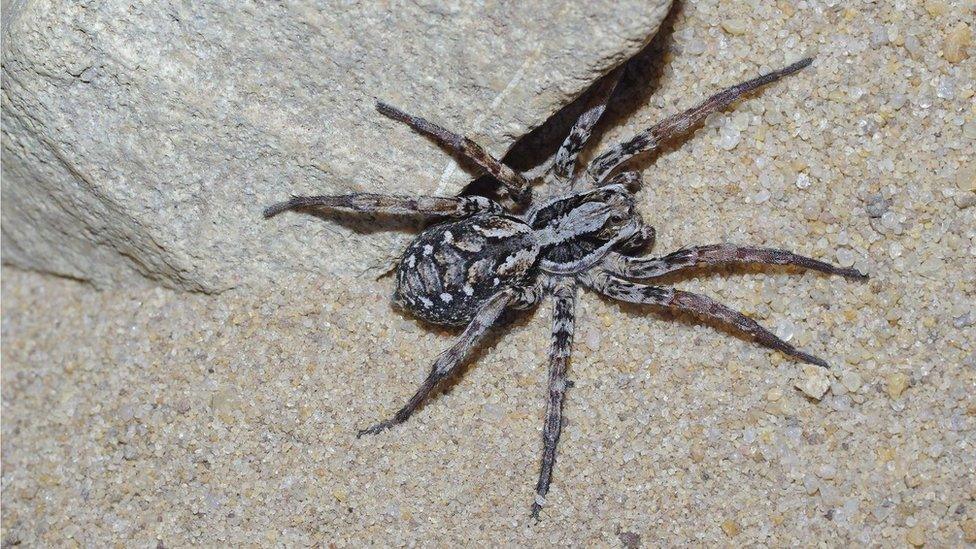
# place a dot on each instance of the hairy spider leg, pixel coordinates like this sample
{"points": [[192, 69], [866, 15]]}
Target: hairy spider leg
{"points": [[676, 124], [716, 254], [449, 360], [632, 181], [569, 151], [516, 184], [563, 316], [430, 206], [699, 305]]}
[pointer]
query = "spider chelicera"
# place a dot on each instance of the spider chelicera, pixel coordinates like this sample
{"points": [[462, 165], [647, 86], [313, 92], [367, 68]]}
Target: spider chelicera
{"points": [[478, 258]]}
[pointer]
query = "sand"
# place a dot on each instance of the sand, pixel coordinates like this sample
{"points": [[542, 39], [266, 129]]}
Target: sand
{"points": [[150, 417]]}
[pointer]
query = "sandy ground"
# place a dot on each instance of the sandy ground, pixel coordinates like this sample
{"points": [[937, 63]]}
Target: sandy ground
{"points": [[148, 417]]}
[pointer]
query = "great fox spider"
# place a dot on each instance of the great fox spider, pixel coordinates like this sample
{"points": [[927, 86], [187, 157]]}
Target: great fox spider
{"points": [[480, 258]]}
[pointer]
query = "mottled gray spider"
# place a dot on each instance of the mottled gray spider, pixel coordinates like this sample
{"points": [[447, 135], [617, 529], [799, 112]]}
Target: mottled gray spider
{"points": [[480, 259]]}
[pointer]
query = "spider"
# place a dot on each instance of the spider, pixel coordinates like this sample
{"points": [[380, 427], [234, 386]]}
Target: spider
{"points": [[478, 259]]}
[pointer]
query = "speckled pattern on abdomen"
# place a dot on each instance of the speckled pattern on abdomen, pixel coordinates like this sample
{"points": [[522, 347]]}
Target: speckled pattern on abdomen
{"points": [[449, 271]]}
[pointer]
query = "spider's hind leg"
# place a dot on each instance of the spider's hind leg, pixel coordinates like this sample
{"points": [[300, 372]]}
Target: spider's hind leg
{"points": [[563, 318], [449, 360], [698, 305], [718, 254]]}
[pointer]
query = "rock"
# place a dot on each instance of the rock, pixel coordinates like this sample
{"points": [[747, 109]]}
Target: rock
{"points": [[969, 530], [845, 257], [896, 385], [630, 540], [592, 339], [936, 8], [876, 205], [731, 528], [735, 26], [143, 141], [810, 484], [964, 200], [224, 404], [956, 42], [851, 380], [826, 471], [916, 536], [814, 383], [966, 178]]}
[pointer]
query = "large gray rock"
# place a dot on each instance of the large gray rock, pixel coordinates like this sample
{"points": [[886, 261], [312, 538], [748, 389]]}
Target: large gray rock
{"points": [[141, 140]]}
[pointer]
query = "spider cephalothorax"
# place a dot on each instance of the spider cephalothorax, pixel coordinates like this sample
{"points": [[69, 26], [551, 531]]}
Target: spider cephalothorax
{"points": [[478, 259]]}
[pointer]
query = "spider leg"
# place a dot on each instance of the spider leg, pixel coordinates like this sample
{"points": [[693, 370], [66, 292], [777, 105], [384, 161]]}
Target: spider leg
{"points": [[716, 254], [449, 360], [514, 182], [429, 206], [559, 351], [631, 180], [580, 133], [678, 123], [699, 305]]}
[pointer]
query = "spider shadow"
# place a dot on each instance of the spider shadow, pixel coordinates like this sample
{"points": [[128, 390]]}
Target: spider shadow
{"points": [[365, 224], [642, 75], [639, 83]]}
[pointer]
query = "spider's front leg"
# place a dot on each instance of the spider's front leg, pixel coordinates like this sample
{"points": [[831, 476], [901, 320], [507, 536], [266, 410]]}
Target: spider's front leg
{"points": [[514, 182], [427, 206], [563, 319], [565, 162], [452, 358], [677, 300], [717, 254], [677, 124]]}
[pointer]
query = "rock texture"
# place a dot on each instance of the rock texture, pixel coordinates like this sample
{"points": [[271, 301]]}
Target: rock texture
{"points": [[144, 138]]}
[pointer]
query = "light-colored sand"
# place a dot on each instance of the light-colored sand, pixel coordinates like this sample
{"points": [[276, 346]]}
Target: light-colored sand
{"points": [[153, 416]]}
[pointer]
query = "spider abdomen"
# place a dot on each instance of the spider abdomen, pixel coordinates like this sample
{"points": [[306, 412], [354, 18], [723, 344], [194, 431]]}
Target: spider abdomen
{"points": [[451, 269]]}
